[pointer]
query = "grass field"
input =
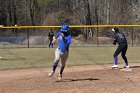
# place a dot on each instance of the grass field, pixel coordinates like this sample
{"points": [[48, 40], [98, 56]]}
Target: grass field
{"points": [[23, 58]]}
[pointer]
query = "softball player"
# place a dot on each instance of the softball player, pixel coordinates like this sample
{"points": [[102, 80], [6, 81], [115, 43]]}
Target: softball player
{"points": [[50, 35], [62, 51], [119, 38]]}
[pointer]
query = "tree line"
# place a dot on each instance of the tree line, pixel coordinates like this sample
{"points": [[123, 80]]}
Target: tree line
{"points": [[73, 12]]}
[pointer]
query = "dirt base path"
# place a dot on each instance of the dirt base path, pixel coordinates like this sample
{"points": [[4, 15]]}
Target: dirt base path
{"points": [[76, 79]]}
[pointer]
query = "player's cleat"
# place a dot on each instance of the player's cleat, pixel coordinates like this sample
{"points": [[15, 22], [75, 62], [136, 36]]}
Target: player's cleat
{"points": [[114, 66], [126, 66], [59, 77], [51, 73]]}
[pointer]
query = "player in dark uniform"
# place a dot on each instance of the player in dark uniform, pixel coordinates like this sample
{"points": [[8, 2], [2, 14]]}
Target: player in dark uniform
{"points": [[120, 38], [51, 35]]}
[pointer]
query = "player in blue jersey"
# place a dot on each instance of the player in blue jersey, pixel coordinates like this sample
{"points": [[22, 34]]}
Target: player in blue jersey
{"points": [[62, 50], [120, 38]]}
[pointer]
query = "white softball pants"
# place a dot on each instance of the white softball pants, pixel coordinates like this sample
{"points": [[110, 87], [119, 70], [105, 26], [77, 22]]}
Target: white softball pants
{"points": [[61, 55]]}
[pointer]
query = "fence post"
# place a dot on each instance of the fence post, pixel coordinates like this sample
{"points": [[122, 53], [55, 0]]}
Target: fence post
{"points": [[132, 37], [28, 38], [97, 36]]}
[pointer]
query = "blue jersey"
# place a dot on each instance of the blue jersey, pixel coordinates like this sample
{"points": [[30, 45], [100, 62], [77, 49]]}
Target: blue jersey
{"points": [[63, 46]]}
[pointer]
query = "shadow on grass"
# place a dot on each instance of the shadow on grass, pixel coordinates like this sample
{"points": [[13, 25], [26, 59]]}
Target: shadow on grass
{"points": [[73, 80]]}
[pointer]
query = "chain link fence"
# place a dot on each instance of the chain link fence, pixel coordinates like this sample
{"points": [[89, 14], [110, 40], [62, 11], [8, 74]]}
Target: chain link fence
{"points": [[27, 37]]}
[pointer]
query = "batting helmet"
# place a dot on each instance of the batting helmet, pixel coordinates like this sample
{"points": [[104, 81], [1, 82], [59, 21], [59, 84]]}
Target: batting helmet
{"points": [[64, 28]]}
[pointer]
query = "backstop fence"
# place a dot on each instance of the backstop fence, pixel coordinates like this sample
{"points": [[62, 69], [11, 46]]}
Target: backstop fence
{"points": [[86, 35]]}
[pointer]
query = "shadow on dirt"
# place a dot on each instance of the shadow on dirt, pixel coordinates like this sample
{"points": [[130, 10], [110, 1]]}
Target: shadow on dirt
{"points": [[134, 66], [72, 80]]}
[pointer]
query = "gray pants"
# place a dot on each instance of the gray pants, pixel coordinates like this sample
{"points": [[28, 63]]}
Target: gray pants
{"points": [[61, 55]]}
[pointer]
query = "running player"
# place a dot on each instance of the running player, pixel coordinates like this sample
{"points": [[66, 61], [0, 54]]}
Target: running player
{"points": [[62, 51]]}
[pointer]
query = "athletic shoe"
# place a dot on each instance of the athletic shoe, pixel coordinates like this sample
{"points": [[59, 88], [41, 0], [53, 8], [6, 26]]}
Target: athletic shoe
{"points": [[51, 73], [114, 66], [126, 66], [59, 77]]}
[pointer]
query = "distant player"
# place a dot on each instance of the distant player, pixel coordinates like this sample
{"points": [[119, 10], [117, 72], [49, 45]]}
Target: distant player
{"points": [[120, 38], [62, 51], [50, 35]]}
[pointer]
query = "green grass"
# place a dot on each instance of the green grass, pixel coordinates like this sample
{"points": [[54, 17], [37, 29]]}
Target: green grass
{"points": [[23, 58]]}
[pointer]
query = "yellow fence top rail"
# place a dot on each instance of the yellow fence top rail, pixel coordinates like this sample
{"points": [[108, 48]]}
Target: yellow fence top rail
{"points": [[71, 26]]}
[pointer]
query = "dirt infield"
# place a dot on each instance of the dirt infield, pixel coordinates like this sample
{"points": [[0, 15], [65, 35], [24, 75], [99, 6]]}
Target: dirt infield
{"points": [[76, 79]]}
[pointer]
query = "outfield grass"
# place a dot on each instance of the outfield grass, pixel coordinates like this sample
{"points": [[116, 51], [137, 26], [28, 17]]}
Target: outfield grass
{"points": [[23, 58]]}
